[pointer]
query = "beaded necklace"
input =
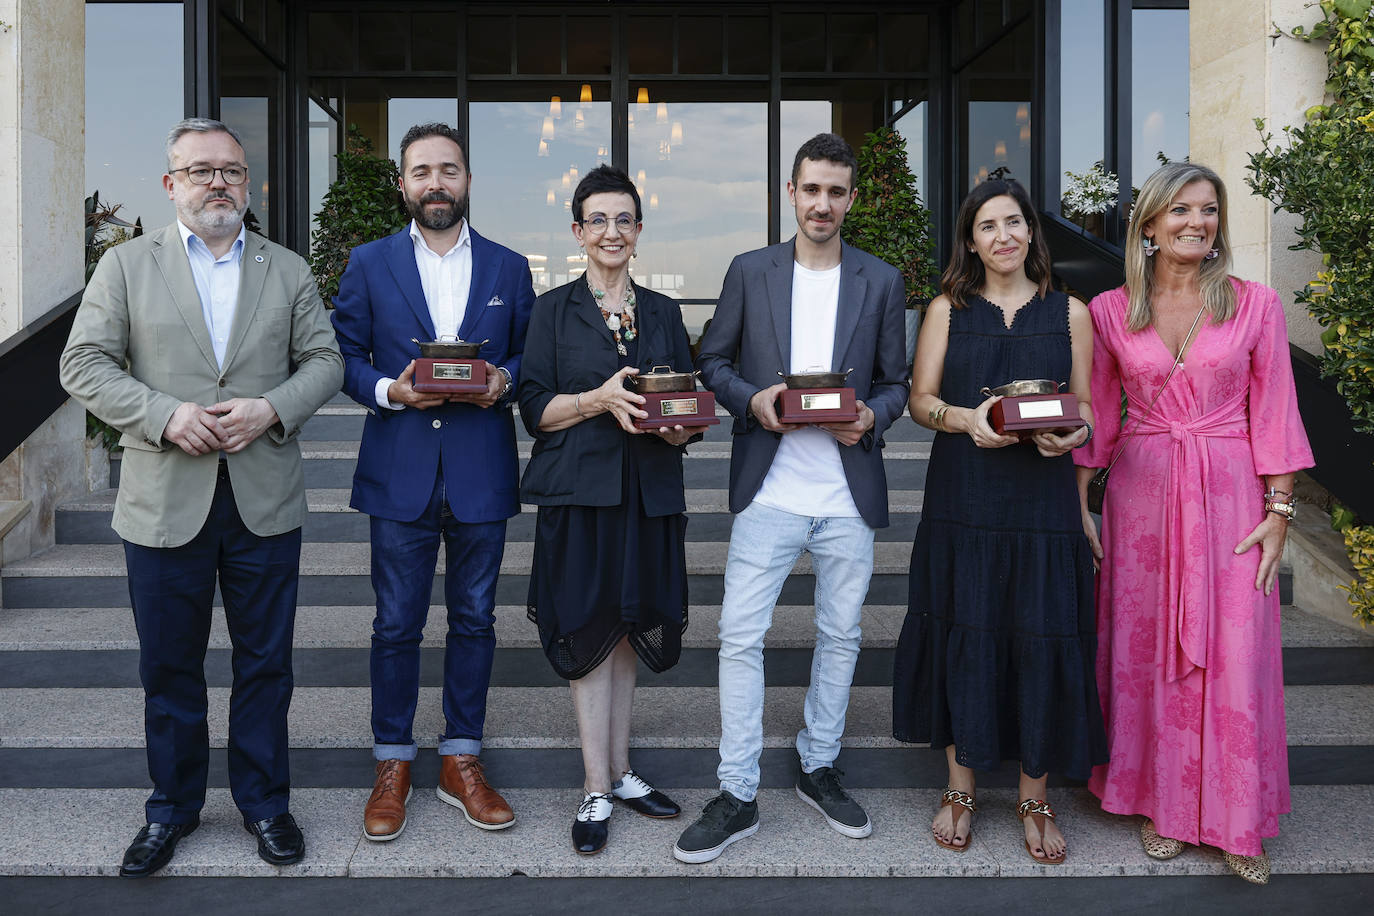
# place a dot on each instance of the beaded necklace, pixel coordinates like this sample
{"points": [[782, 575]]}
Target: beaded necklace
{"points": [[622, 322]]}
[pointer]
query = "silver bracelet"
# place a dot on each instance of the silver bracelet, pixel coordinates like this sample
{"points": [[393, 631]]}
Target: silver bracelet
{"points": [[577, 404]]}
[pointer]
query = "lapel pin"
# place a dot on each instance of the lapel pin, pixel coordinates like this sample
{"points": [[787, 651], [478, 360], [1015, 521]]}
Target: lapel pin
{"points": [[258, 258]]}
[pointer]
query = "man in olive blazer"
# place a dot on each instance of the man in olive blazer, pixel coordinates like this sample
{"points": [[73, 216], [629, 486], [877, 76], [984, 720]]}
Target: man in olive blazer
{"points": [[207, 347]]}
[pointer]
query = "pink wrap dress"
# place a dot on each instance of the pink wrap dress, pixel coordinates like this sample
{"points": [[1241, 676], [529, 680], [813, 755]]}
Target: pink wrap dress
{"points": [[1189, 662]]}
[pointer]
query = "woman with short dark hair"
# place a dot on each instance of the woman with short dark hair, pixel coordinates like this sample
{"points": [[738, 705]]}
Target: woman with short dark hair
{"points": [[608, 582], [995, 659]]}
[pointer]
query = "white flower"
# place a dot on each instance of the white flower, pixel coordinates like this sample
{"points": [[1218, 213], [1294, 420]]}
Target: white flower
{"points": [[1095, 191]]}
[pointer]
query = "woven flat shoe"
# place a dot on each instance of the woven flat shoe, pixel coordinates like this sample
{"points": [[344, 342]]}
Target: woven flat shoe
{"points": [[1158, 847], [1254, 869], [950, 798], [1038, 807]]}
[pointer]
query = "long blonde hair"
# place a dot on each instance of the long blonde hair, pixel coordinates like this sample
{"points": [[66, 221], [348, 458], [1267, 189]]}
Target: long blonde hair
{"points": [[1214, 276]]}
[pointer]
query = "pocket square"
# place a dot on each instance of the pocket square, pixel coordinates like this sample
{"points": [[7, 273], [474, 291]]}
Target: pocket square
{"points": [[494, 300]]}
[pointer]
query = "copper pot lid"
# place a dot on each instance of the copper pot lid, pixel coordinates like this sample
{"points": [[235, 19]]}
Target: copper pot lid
{"points": [[663, 378], [815, 377], [1023, 387], [449, 348]]}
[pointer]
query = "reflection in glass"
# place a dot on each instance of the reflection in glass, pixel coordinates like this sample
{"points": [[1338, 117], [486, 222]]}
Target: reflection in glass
{"points": [[799, 121], [124, 142], [998, 138], [1082, 95], [1159, 89], [249, 116], [520, 197], [912, 127], [324, 142], [995, 90], [403, 114], [705, 195]]}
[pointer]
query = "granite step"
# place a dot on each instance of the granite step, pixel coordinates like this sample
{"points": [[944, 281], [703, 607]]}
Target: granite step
{"points": [[86, 520], [542, 717], [83, 833], [93, 575]]}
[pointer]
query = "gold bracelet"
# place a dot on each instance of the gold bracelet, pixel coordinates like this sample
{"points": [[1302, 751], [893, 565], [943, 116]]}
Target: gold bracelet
{"points": [[937, 416], [1287, 510]]}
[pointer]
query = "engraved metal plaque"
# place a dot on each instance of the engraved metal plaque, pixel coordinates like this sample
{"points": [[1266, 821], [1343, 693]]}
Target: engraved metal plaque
{"points": [[678, 407], [1036, 410], [828, 401], [453, 371]]}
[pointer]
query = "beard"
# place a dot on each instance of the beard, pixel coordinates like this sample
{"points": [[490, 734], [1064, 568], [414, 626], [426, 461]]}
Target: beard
{"points": [[437, 219], [204, 221]]}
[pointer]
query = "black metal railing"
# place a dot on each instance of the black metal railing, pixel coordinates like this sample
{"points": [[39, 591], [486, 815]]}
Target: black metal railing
{"points": [[28, 374]]}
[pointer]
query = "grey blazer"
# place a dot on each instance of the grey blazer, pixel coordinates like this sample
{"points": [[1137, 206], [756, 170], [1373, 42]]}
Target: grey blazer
{"points": [[139, 348], [750, 342]]}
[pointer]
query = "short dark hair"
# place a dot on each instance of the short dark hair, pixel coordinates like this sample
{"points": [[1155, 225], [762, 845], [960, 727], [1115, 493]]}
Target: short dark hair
{"points": [[605, 179], [830, 147], [434, 129], [965, 276]]}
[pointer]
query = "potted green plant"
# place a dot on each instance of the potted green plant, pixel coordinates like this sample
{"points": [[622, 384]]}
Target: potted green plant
{"points": [[363, 204], [889, 221]]}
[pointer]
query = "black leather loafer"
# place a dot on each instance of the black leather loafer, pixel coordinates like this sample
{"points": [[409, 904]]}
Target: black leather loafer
{"points": [[279, 839], [153, 848], [591, 827], [637, 795]]}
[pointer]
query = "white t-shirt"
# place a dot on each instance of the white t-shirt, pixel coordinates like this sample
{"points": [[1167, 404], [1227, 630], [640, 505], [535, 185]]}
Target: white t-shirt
{"points": [[806, 477]]}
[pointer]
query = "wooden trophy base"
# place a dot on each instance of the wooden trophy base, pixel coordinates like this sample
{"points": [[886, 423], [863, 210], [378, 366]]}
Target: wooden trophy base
{"points": [[688, 409], [1024, 415], [450, 376], [817, 405]]}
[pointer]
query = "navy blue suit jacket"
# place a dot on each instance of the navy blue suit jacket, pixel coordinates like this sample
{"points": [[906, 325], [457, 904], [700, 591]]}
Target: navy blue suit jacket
{"points": [[380, 307], [750, 342]]}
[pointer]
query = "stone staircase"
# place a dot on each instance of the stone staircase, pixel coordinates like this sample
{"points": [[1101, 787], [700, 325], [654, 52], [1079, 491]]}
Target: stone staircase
{"points": [[73, 777]]}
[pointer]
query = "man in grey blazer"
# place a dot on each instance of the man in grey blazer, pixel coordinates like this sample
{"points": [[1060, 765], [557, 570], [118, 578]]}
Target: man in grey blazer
{"points": [[812, 302], [207, 347]]}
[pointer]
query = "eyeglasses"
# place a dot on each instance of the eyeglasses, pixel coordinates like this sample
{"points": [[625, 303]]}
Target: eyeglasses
{"points": [[597, 223], [203, 174]]}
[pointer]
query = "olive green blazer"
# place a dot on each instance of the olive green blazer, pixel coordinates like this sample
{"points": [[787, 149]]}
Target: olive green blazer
{"points": [[139, 347]]}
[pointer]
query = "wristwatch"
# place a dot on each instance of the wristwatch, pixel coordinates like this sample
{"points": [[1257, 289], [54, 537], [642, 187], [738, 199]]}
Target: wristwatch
{"points": [[506, 388]]}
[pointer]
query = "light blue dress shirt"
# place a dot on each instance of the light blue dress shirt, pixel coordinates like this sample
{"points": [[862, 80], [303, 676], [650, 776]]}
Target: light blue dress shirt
{"points": [[217, 282]]}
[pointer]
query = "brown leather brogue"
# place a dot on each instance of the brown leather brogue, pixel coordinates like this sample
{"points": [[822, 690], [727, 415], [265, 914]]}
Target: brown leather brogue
{"points": [[462, 785], [385, 815]]}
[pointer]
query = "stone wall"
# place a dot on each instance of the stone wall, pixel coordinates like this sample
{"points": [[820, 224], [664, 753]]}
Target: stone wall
{"points": [[42, 156], [1239, 73]]}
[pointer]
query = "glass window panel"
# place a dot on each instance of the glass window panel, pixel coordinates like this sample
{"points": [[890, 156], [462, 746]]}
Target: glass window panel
{"points": [[650, 40], [539, 44], [798, 121], [854, 43], [1082, 90], [490, 39], [251, 117], [432, 38], [403, 114], [701, 209], [251, 91], [990, 20], [699, 44], [383, 42], [1159, 89], [522, 187], [965, 38], [914, 125], [803, 43], [589, 44], [906, 42], [251, 14], [124, 151], [748, 44], [996, 91], [330, 41], [324, 143]]}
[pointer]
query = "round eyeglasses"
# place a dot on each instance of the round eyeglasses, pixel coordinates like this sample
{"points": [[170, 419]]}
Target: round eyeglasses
{"points": [[204, 174], [597, 223]]}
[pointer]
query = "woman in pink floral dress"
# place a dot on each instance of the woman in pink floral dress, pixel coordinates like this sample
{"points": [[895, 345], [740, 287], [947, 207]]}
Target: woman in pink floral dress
{"points": [[1189, 662]]}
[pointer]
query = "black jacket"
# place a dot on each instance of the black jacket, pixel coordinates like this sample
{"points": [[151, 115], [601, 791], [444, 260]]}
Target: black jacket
{"points": [[570, 349]]}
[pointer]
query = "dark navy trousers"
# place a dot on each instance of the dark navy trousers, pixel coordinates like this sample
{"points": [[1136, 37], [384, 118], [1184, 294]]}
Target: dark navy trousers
{"points": [[404, 555], [172, 590]]}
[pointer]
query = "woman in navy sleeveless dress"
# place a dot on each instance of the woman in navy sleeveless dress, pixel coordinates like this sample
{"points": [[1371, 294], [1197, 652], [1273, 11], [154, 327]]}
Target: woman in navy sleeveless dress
{"points": [[995, 660]]}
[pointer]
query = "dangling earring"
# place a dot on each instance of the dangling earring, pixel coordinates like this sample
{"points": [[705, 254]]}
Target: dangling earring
{"points": [[1148, 244], [1212, 254]]}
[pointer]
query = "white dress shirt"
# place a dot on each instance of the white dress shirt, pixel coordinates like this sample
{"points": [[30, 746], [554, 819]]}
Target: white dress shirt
{"points": [[446, 280], [217, 282]]}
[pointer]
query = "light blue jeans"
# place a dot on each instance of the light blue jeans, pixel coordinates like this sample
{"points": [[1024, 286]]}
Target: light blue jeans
{"points": [[764, 544]]}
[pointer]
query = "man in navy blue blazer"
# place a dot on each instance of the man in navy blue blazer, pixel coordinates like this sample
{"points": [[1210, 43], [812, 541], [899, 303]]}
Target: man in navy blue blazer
{"points": [[433, 466], [809, 303]]}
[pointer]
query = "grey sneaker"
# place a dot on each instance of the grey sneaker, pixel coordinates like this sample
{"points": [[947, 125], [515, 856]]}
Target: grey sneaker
{"points": [[723, 820], [822, 790]]}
